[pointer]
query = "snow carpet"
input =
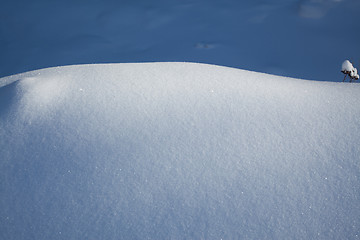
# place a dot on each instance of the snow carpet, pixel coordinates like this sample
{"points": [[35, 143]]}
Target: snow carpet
{"points": [[177, 151]]}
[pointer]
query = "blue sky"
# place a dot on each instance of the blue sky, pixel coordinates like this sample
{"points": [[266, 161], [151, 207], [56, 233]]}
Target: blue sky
{"points": [[304, 39]]}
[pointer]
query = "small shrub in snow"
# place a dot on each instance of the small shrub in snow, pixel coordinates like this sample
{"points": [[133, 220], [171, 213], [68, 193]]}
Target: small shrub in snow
{"points": [[348, 69]]}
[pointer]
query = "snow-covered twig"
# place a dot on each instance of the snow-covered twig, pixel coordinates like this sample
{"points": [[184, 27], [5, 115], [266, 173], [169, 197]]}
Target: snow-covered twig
{"points": [[348, 69]]}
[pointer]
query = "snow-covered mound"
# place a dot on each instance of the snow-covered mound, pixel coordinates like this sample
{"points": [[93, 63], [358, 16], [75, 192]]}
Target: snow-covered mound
{"points": [[177, 151]]}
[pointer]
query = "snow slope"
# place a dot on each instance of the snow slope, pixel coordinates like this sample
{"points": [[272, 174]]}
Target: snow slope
{"points": [[307, 39], [177, 151]]}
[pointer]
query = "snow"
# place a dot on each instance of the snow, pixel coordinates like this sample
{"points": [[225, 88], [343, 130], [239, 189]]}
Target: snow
{"points": [[177, 151], [353, 73], [347, 66], [306, 39], [348, 69]]}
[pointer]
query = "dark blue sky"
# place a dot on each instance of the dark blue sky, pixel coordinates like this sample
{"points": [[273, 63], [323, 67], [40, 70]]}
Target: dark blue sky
{"points": [[304, 39]]}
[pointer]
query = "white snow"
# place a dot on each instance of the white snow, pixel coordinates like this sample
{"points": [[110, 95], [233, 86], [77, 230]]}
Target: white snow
{"points": [[349, 69], [353, 73], [347, 66], [177, 151]]}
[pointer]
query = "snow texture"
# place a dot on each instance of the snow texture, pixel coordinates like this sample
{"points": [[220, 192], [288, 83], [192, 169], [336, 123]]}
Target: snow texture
{"points": [[348, 69], [353, 73], [347, 66], [177, 151]]}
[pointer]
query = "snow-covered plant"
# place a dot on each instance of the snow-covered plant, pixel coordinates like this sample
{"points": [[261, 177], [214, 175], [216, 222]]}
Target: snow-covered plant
{"points": [[348, 69]]}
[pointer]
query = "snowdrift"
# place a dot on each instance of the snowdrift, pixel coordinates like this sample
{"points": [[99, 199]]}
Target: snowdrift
{"points": [[177, 151]]}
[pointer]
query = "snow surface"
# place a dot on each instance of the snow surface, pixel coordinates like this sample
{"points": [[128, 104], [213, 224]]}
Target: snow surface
{"points": [[177, 151], [307, 39], [354, 74], [347, 66], [348, 69]]}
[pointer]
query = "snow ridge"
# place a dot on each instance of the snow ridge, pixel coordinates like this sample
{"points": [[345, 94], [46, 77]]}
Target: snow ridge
{"points": [[177, 150]]}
